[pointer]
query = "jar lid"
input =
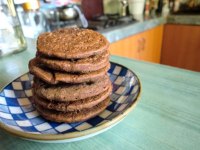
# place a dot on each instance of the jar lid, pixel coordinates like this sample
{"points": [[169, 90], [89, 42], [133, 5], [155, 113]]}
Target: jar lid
{"points": [[31, 5]]}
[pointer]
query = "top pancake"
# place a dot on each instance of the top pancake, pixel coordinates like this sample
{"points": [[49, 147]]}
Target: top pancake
{"points": [[72, 43]]}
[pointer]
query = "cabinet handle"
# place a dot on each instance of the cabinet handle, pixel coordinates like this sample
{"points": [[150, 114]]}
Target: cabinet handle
{"points": [[139, 45], [143, 43]]}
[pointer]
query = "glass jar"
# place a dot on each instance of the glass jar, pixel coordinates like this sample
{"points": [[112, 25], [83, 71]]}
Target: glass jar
{"points": [[32, 19], [11, 35]]}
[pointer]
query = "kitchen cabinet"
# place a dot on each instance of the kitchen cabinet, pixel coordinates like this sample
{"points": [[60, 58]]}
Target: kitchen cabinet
{"points": [[143, 46], [181, 46]]}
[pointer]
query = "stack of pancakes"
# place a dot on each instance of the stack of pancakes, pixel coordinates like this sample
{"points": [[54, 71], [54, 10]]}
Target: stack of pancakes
{"points": [[70, 75]]}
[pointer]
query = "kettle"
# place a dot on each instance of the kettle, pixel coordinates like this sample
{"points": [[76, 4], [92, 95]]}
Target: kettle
{"points": [[72, 12]]}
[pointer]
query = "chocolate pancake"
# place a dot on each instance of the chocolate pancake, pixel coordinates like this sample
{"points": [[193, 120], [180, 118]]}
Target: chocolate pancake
{"points": [[53, 77], [71, 43], [70, 92], [85, 65], [74, 116], [74, 105]]}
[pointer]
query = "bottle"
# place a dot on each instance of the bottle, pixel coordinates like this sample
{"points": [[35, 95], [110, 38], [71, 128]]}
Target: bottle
{"points": [[32, 19], [160, 6], [147, 8], [176, 5], [165, 9], [11, 35], [124, 8]]}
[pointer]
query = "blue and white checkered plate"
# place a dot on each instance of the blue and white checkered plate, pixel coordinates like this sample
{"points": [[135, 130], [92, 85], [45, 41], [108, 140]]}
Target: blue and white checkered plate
{"points": [[19, 117]]}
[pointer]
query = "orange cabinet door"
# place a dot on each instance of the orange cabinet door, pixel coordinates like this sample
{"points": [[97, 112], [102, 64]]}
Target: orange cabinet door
{"points": [[143, 46], [181, 46], [128, 47]]}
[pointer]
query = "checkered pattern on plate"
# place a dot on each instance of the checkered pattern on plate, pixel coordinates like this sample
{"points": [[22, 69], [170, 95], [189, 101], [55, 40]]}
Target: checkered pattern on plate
{"points": [[17, 111]]}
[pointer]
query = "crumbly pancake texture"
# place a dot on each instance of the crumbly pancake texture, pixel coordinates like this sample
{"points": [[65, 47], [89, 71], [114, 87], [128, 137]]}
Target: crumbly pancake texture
{"points": [[74, 116], [70, 92], [85, 65], [71, 43], [74, 105], [55, 77], [70, 82]]}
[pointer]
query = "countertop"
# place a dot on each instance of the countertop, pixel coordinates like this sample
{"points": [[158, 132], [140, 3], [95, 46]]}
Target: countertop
{"points": [[144, 23], [141, 25], [166, 117], [184, 19]]}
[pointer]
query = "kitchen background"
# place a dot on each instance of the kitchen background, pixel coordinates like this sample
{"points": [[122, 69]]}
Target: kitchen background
{"points": [[159, 31]]}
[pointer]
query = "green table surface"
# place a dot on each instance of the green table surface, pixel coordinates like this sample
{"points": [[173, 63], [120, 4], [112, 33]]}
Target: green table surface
{"points": [[166, 117]]}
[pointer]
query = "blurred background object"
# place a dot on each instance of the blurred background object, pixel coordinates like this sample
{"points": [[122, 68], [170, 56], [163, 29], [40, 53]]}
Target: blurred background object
{"points": [[189, 7], [165, 9], [111, 6], [136, 7], [92, 9], [37, 16], [62, 13], [111, 14], [32, 19], [124, 8], [11, 35]]}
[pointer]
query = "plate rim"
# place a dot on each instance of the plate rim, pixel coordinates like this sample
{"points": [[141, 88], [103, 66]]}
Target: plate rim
{"points": [[76, 134]]}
